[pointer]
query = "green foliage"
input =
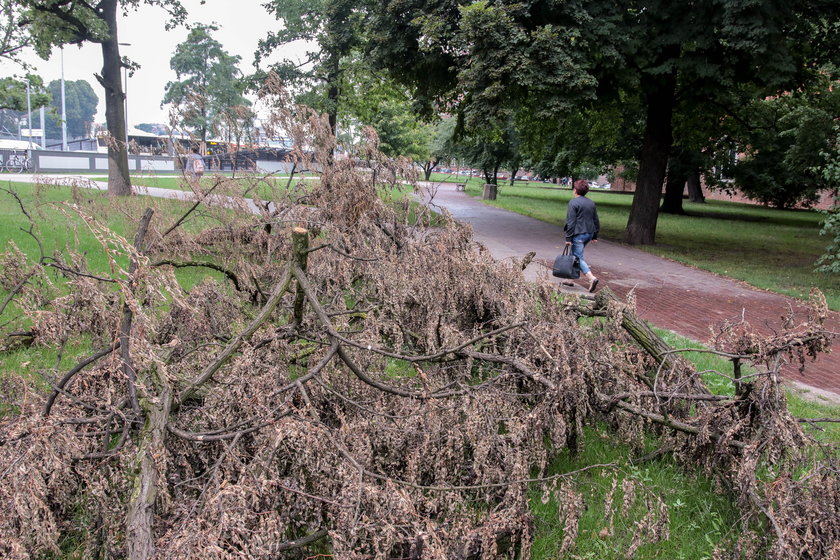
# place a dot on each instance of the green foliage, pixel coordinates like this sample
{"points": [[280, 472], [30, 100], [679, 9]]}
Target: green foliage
{"points": [[209, 89], [13, 93], [12, 37], [80, 104], [830, 260], [787, 145], [337, 26], [13, 100], [54, 24], [368, 99]]}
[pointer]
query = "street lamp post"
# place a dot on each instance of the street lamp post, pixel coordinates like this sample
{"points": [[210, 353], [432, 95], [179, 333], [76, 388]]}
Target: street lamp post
{"points": [[43, 130], [28, 112], [63, 108]]}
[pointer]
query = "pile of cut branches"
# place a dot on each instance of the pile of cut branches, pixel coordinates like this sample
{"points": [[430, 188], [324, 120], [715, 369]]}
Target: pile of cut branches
{"points": [[356, 383]]}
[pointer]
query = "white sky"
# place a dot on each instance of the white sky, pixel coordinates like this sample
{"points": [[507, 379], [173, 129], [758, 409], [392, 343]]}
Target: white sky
{"points": [[242, 23]]}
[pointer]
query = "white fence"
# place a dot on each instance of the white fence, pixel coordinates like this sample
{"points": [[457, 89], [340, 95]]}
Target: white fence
{"points": [[49, 161]]}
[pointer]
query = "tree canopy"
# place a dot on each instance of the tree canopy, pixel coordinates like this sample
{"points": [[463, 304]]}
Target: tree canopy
{"points": [[335, 26], [80, 103], [13, 37], [209, 86]]}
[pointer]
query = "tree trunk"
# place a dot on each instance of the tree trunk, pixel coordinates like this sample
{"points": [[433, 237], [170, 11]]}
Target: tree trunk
{"points": [[675, 185], [119, 181], [695, 190], [333, 92], [140, 537], [641, 225], [428, 167]]}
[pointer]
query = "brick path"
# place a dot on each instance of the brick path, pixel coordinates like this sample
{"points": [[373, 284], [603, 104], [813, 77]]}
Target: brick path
{"points": [[669, 295]]}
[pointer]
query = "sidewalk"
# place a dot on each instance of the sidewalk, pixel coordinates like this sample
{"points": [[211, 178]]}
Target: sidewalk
{"points": [[669, 295]]}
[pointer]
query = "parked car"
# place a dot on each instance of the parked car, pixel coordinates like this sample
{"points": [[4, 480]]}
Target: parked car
{"points": [[595, 185]]}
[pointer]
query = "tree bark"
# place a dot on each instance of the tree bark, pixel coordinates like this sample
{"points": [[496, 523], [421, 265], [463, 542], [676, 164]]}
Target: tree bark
{"points": [[156, 405], [119, 181], [660, 99], [695, 190], [675, 185], [300, 247], [140, 538], [333, 92], [658, 349]]}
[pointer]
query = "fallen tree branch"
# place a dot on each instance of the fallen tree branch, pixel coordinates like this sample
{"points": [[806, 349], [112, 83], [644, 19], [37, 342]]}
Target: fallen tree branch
{"points": [[303, 541], [665, 421], [263, 316], [200, 264], [128, 314], [59, 387]]}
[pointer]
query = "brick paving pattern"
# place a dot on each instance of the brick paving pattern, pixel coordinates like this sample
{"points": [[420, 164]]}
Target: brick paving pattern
{"points": [[669, 295]]}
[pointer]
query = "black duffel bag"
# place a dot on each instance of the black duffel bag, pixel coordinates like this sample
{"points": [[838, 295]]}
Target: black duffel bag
{"points": [[566, 265]]}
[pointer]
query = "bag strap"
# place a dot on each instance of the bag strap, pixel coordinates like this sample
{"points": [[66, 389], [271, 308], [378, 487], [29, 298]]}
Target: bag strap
{"points": [[566, 249]]}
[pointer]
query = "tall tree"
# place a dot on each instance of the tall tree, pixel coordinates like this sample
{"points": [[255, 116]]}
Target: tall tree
{"points": [[54, 23], [335, 26], [208, 90], [80, 103]]}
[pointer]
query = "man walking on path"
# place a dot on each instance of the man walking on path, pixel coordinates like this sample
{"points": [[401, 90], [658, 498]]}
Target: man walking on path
{"points": [[581, 227]]}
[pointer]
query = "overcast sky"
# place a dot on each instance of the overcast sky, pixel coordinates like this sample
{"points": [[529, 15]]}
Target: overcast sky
{"points": [[242, 23]]}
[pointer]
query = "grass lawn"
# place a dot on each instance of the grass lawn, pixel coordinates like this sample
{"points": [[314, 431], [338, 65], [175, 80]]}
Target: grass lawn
{"points": [[59, 227], [770, 249]]}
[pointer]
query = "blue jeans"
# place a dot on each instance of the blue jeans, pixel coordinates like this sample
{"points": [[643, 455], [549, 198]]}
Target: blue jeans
{"points": [[579, 241]]}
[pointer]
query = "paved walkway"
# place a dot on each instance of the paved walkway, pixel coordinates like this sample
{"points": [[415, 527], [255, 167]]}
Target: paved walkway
{"points": [[669, 295]]}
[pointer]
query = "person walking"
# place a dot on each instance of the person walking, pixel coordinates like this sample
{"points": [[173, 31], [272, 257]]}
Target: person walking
{"points": [[195, 164], [581, 227]]}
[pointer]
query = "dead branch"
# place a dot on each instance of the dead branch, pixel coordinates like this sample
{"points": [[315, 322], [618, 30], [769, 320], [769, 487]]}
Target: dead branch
{"points": [[128, 314], [200, 264], [265, 313], [665, 421], [65, 379]]}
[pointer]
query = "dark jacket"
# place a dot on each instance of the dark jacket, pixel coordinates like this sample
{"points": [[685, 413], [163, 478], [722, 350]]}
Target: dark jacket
{"points": [[581, 217]]}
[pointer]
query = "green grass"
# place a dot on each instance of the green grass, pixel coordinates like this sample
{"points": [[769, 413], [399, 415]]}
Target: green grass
{"points": [[60, 228], [770, 249], [700, 517]]}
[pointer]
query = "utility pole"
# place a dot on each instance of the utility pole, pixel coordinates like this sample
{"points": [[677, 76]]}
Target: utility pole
{"points": [[63, 108], [28, 112]]}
